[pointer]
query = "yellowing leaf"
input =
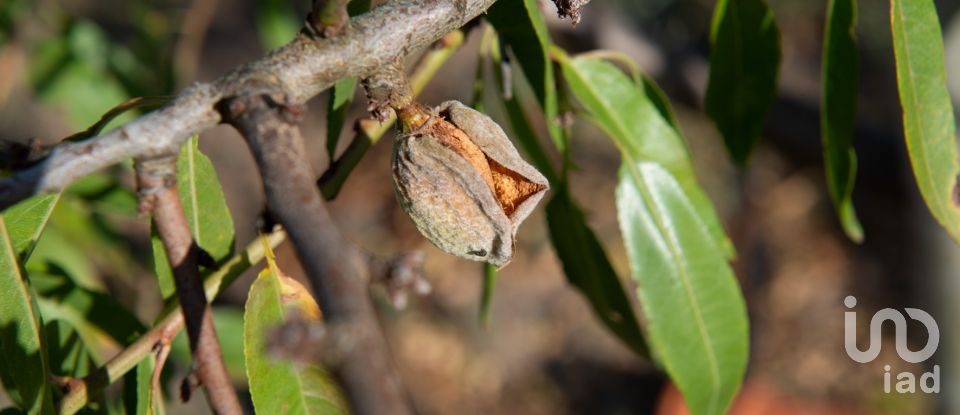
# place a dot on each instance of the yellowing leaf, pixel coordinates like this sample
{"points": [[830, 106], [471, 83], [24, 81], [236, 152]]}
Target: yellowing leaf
{"points": [[280, 387]]}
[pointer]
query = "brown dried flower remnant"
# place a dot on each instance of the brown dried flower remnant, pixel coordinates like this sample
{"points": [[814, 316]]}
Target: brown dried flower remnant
{"points": [[570, 8], [462, 182]]}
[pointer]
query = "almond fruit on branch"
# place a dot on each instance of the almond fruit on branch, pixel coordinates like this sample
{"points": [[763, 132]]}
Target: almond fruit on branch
{"points": [[462, 182]]}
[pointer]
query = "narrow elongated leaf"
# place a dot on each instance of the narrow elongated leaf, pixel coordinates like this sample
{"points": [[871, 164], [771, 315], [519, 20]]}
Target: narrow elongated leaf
{"points": [[341, 96], [280, 387], [24, 370], [519, 124], [67, 353], [203, 202], [521, 27], [340, 99], [585, 264], [744, 62], [659, 99], [62, 247], [587, 267], [94, 315], [161, 265], [838, 112], [677, 249], [149, 395], [229, 323], [928, 122], [205, 208], [26, 221], [697, 317], [626, 113]]}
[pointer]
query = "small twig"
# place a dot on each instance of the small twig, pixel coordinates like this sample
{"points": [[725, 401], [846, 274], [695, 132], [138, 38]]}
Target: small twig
{"points": [[387, 88], [170, 324], [137, 102], [335, 267], [156, 180], [161, 352]]}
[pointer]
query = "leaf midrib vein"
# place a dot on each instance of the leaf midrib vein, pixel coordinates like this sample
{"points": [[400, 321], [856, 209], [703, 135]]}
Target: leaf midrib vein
{"points": [[674, 250]]}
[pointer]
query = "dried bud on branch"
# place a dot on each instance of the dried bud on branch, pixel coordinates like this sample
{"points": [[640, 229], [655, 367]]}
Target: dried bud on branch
{"points": [[570, 8], [462, 181]]}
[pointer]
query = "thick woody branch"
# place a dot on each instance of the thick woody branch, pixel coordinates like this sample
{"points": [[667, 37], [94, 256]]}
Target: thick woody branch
{"points": [[156, 179], [303, 68], [336, 268]]}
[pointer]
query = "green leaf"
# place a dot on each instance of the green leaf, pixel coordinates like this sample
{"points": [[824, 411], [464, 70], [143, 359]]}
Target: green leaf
{"points": [[277, 22], [161, 265], [280, 387], [67, 352], [149, 396], [744, 62], [229, 324], [24, 370], [521, 27], [928, 122], [71, 242], [677, 248], [26, 221], [660, 101], [841, 65], [524, 133], [71, 71], [203, 202], [340, 99], [587, 267], [697, 317], [625, 111], [96, 316], [205, 208], [342, 94]]}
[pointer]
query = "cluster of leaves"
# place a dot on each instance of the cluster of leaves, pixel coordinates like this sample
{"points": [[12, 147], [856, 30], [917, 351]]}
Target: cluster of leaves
{"points": [[60, 251], [58, 322], [696, 322]]}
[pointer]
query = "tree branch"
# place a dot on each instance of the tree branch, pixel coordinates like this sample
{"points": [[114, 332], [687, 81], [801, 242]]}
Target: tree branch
{"points": [[303, 68], [337, 271], [156, 180]]}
